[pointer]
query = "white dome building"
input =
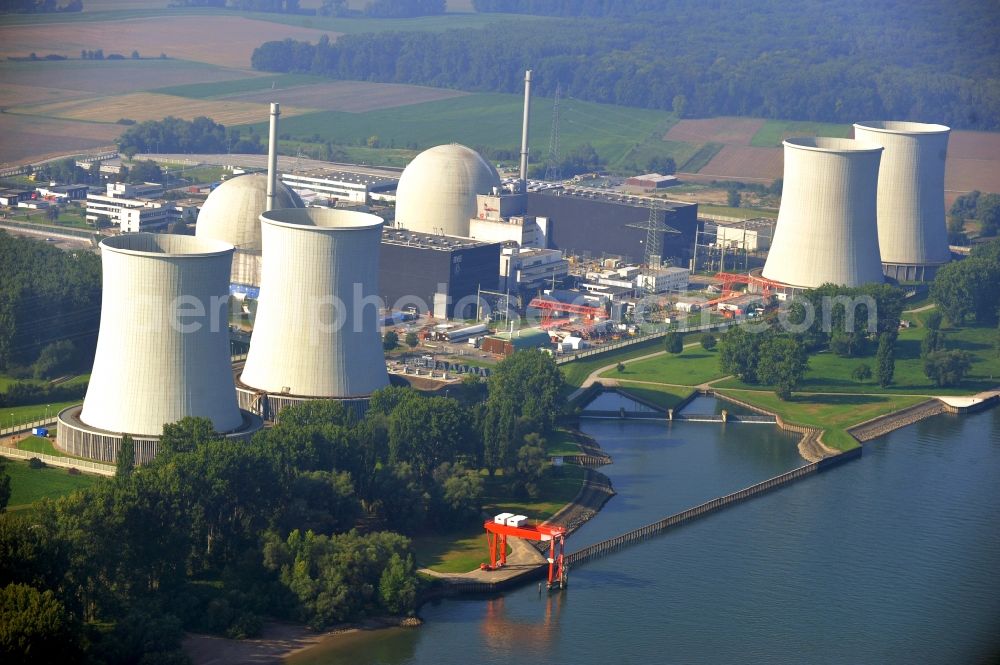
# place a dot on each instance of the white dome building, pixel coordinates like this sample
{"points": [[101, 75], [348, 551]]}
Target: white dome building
{"points": [[232, 212], [437, 190]]}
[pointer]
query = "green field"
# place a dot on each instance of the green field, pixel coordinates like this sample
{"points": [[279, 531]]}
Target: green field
{"points": [[37, 444], [774, 131], [486, 119], [700, 158], [690, 368], [561, 442], [238, 86], [31, 413], [741, 213], [832, 413], [31, 485], [576, 372], [665, 397]]}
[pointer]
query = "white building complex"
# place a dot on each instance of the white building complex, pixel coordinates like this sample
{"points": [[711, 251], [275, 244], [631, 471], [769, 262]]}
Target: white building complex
{"points": [[316, 335], [163, 347], [231, 214], [912, 234], [826, 230], [437, 190]]}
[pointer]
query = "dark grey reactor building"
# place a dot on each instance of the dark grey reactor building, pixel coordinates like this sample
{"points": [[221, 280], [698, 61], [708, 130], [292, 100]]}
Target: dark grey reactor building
{"points": [[585, 221], [436, 273]]}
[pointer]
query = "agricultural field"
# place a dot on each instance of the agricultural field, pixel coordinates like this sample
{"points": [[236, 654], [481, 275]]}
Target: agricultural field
{"points": [[349, 96], [142, 106], [737, 131], [226, 41], [745, 163], [773, 132], [32, 138], [238, 86]]}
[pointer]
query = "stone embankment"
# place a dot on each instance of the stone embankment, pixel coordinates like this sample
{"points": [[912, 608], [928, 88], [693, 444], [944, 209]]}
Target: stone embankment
{"points": [[811, 446], [881, 425]]}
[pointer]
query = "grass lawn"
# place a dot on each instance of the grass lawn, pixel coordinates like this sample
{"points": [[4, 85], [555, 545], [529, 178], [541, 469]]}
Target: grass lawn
{"points": [[774, 131], [37, 444], [577, 371], [31, 413], [665, 397], [31, 485], [464, 549], [690, 368], [832, 413], [561, 442]]}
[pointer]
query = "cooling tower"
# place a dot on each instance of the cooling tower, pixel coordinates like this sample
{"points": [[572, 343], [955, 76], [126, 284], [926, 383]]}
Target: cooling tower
{"points": [[316, 335], [912, 234], [163, 347], [826, 225]]}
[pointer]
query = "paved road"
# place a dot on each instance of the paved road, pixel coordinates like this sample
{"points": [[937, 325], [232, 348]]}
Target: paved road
{"points": [[285, 163]]}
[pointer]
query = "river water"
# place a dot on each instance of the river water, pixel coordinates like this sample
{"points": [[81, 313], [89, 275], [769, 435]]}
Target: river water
{"points": [[891, 558]]}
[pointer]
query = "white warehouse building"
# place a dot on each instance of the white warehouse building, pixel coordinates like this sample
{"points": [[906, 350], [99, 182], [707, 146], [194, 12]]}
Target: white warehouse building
{"points": [[912, 233], [826, 229], [162, 350]]}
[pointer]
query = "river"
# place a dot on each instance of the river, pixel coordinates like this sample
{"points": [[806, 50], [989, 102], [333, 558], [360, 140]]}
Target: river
{"points": [[891, 558]]}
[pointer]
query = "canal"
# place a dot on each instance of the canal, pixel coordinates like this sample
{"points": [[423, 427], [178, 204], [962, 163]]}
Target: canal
{"points": [[891, 558]]}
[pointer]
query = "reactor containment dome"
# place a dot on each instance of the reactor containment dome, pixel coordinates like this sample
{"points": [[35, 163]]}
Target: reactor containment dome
{"points": [[162, 350], [826, 230], [316, 335], [231, 213], [437, 190], [912, 233]]}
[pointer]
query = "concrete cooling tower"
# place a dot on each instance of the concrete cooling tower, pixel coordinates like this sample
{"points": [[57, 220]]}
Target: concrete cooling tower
{"points": [[231, 213], [826, 230], [162, 350], [316, 335], [437, 190], [912, 234]]}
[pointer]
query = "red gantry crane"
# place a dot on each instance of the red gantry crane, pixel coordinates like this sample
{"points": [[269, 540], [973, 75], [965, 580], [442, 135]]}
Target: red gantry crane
{"points": [[550, 308], [508, 524]]}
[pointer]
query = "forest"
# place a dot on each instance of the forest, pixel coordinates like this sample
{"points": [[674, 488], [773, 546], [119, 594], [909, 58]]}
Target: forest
{"points": [[201, 135], [39, 6], [309, 521], [50, 307], [829, 61]]}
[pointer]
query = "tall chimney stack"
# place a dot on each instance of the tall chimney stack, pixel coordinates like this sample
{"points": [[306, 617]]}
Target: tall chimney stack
{"points": [[272, 157], [524, 131]]}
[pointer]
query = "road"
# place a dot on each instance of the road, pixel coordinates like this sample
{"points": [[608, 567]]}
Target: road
{"points": [[285, 163], [62, 242]]}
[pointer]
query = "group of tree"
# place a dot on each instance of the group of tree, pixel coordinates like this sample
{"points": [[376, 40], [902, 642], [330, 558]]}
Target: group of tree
{"points": [[215, 534], [50, 303], [944, 366], [372, 8], [39, 6], [976, 206], [847, 320], [966, 290], [764, 356], [829, 66], [187, 136]]}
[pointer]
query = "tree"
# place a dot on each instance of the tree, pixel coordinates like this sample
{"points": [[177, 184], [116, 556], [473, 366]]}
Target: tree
{"points": [[144, 171], [678, 105], [125, 464], [4, 486], [733, 198], [390, 340], [135, 55], [933, 319], [739, 351], [673, 342], [782, 363], [620, 367], [862, 373], [885, 359], [947, 368], [397, 588], [933, 341], [708, 341], [333, 8], [411, 340], [52, 213], [36, 628], [988, 213]]}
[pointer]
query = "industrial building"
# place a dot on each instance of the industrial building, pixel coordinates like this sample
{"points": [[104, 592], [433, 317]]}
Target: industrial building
{"points": [[231, 213], [316, 335], [162, 350], [589, 222], [130, 215], [529, 269], [435, 273], [826, 230], [650, 182], [912, 233], [500, 217], [437, 190], [334, 185]]}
